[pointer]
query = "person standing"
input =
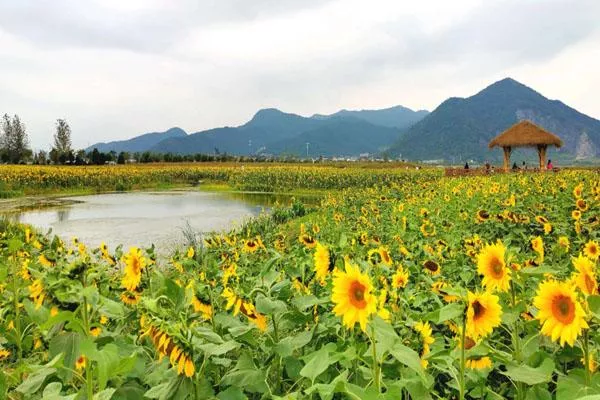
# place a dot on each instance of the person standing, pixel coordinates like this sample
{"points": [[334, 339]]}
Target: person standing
{"points": [[550, 166]]}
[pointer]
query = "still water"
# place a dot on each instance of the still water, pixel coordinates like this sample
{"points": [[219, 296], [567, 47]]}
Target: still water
{"points": [[146, 218]]}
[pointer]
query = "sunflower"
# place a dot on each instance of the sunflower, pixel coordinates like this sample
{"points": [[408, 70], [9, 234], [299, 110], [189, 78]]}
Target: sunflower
{"points": [[28, 235], [479, 363], [191, 252], [134, 264], [431, 267], [4, 354], [585, 278], [438, 288], [592, 363], [527, 316], [232, 300], [425, 331], [400, 278], [576, 215], [564, 243], [385, 255], [383, 312], [130, 298], [491, 264], [592, 250], [95, 331], [373, 257], [537, 244], [541, 219], [427, 229], [202, 308], [80, 363], [36, 292], [214, 241], [250, 246], [581, 205], [45, 261], [560, 313], [547, 228], [308, 240], [321, 259], [352, 296], [482, 215], [578, 190], [483, 314], [255, 317]]}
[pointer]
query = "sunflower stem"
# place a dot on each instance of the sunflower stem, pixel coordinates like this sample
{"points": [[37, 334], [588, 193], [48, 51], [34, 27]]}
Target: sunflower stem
{"points": [[461, 381], [89, 383], [586, 358], [376, 370], [17, 310], [516, 339]]}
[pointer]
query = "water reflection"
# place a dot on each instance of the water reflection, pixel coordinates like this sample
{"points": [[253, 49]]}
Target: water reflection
{"points": [[141, 219], [62, 215]]}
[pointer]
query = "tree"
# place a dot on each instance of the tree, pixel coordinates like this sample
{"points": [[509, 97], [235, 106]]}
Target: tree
{"points": [[5, 138], [14, 142], [40, 157], [62, 141], [95, 157], [80, 157]]}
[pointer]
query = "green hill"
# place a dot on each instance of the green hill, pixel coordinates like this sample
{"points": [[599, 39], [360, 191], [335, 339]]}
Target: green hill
{"points": [[460, 129], [341, 136]]}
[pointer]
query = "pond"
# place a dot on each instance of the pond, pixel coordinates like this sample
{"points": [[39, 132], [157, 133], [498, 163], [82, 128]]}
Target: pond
{"points": [[145, 218]]}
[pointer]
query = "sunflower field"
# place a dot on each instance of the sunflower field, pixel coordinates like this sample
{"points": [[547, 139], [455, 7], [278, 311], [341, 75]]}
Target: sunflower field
{"points": [[18, 180], [401, 285]]}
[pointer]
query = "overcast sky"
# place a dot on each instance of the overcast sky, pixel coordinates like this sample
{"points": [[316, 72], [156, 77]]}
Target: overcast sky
{"points": [[118, 68]]}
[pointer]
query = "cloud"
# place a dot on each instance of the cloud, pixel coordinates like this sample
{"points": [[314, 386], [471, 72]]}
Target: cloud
{"points": [[116, 68], [137, 25]]}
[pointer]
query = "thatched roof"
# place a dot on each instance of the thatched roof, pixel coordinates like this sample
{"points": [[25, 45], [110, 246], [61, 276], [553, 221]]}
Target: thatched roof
{"points": [[525, 133]]}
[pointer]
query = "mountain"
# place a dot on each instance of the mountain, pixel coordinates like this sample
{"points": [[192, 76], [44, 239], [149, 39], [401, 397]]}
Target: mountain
{"points": [[273, 131], [267, 125], [461, 128], [393, 117], [340, 136], [139, 143]]}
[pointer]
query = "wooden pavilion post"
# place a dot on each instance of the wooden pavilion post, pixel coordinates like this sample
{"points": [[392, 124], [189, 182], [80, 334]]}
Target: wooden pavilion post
{"points": [[541, 148], [507, 151]]}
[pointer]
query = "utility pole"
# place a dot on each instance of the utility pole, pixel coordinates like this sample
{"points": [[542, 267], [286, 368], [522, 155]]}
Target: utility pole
{"points": [[249, 146], [307, 143]]}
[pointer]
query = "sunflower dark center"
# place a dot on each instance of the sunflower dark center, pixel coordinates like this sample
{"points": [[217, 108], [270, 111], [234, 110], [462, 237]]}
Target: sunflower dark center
{"points": [[135, 265], [496, 267], [478, 309], [563, 309], [357, 294], [431, 266]]}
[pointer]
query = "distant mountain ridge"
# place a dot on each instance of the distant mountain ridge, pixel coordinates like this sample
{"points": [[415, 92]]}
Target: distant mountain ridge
{"points": [[139, 143], [393, 117], [461, 128], [272, 131], [458, 129]]}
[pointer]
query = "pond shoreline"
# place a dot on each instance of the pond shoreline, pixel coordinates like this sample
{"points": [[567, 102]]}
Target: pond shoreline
{"points": [[61, 199]]}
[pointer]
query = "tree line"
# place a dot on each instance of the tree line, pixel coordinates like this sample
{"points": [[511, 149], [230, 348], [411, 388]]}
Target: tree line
{"points": [[15, 149]]}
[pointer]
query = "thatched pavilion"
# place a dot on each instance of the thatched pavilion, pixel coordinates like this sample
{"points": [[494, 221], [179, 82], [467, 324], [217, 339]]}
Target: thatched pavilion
{"points": [[525, 134]]}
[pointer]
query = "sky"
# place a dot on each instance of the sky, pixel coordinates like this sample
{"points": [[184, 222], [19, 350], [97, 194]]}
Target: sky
{"points": [[115, 69]]}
